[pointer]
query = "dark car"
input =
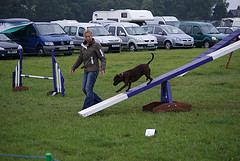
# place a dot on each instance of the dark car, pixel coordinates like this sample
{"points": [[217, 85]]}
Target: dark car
{"points": [[169, 36], [8, 47]]}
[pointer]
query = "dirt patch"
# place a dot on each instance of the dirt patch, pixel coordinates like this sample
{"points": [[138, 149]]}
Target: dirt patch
{"points": [[20, 88], [156, 107]]}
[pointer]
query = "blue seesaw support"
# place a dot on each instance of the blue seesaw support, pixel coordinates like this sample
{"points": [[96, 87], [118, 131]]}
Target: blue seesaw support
{"points": [[220, 49]]}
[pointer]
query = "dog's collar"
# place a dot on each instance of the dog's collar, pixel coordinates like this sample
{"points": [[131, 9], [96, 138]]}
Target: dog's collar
{"points": [[121, 75]]}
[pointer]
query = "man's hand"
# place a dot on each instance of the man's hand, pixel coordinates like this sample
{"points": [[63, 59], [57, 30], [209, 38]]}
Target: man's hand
{"points": [[102, 72], [71, 72]]}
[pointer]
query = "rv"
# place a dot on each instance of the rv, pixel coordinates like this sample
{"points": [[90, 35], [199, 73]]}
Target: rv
{"points": [[165, 20], [230, 22], [127, 15]]}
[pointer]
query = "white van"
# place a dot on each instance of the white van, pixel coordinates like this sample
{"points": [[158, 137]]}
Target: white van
{"points": [[75, 30], [132, 35], [127, 15], [165, 20]]}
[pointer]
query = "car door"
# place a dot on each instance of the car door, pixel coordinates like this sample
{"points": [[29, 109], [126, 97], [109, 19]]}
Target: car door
{"points": [[160, 34], [80, 35], [30, 40], [198, 36], [122, 34]]}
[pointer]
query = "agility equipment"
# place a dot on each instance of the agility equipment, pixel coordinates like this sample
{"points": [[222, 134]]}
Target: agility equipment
{"points": [[220, 49], [58, 79]]}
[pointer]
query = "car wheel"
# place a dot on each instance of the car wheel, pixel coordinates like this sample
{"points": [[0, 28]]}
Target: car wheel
{"points": [[132, 47], [206, 44], [40, 51], [168, 45]]}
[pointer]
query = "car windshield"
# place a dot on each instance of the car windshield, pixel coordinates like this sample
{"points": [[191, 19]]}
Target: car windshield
{"points": [[50, 29], [172, 30], [135, 31], [4, 38], [209, 29], [173, 23], [99, 31]]}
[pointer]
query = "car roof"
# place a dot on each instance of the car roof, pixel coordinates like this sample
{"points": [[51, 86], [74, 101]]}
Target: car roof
{"points": [[124, 24], [83, 24], [195, 22]]}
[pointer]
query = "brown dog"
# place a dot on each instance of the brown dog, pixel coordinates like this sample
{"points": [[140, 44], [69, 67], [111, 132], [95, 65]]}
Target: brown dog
{"points": [[133, 75]]}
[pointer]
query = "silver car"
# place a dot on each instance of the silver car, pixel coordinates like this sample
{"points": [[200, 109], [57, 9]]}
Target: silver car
{"points": [[169, 36], [132, 35]]}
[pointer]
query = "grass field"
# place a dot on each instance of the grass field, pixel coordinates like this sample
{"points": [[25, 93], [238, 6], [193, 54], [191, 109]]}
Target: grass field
{"points": [[33, 123]]}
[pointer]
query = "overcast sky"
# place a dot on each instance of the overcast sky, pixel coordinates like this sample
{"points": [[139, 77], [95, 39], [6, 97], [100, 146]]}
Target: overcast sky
{"points": [[233, 4]]}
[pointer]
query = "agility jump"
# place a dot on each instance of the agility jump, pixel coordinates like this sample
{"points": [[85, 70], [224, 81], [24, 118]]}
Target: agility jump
{"points": [[220, 49], [58, 79]]}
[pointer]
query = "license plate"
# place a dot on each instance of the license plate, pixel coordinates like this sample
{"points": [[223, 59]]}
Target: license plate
{"points": [[12, 52], [63, 48], [114, 46], [150, 45]]}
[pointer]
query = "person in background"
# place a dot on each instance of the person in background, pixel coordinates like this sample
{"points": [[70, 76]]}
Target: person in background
{"points": [[90, 54]]}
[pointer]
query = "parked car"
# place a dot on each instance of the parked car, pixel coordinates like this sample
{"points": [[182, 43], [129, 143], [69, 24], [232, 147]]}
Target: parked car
{"points": [[43, 37], [169, 36], [8, 48], [132, 35], [227, 30], [204, 34], [76, 30]]}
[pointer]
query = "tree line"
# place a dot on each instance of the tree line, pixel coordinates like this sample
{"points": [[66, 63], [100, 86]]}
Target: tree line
{"points": [[81, 10]]}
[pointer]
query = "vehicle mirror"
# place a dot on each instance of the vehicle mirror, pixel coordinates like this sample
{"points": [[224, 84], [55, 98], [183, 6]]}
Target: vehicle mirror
{"points": [[160, 33], [200, 33]]}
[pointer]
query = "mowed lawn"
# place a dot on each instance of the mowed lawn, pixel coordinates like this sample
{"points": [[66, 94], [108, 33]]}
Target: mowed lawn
{"points": [[33, 124]]}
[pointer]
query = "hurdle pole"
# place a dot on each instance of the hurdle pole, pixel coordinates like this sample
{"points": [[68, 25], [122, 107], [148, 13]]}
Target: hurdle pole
{"points": [[20, 70], [54, 72]]}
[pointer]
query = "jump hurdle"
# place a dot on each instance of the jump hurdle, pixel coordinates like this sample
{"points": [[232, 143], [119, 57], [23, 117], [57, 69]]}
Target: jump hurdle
{"points": [[58, 79]]}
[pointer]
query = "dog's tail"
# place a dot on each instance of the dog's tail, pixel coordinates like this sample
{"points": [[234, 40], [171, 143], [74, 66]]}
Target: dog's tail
{"points": [[151, 59]]}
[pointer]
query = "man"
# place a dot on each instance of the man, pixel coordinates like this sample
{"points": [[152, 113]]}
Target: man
{"points": [[90, 53]]}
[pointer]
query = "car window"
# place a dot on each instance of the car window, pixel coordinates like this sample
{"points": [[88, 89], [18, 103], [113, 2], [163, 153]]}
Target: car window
{"points": [[81, 31], [112, 30], [209, 29], [188, 29], [172, 30], [157, 30], [148, 29], [182, 27], [73, 31], [196, 30], [98, 31], [135, 30], [66, 29], [120, 29], [221, 30], [50, 29], [30, 31], [229, 31]]}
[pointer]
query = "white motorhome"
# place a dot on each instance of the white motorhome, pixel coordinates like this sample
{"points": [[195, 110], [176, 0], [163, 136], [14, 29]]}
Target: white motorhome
{"points": [[165, 20], [230, 22], [127, 15]]}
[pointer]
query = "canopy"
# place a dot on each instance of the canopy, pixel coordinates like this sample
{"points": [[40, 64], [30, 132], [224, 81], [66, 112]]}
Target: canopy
{"points": [[13, 24]]}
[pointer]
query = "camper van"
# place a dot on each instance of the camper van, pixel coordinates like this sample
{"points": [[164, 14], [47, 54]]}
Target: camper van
{"points": [[165, 20], [230, 22], [127, 15]]}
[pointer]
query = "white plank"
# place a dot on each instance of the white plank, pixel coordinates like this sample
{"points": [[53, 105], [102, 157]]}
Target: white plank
{"points": [[102, 105], [226, 50]]}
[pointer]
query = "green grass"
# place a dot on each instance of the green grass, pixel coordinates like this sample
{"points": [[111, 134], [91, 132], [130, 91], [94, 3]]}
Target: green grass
{"points": [[33, 123]]}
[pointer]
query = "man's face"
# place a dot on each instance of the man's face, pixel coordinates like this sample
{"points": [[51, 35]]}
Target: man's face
{"points": [[88, 37]]}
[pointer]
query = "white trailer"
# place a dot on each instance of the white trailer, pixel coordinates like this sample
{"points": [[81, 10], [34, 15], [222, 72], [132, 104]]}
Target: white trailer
{"points": [[127, 15]]}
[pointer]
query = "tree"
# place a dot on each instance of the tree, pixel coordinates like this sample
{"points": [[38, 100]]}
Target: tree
{"points": [[220, 10]]}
